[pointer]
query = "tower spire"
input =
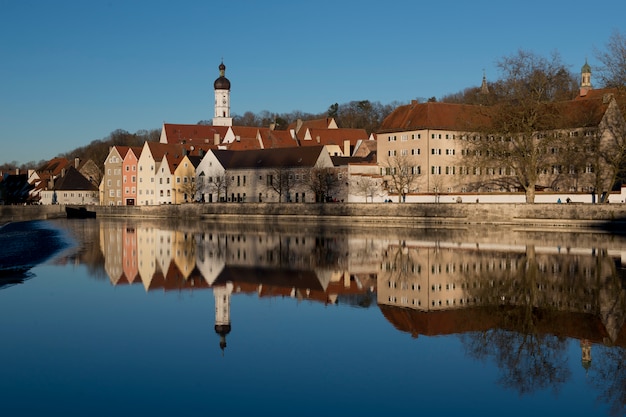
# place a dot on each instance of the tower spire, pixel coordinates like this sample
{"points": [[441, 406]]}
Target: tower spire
{"points": [[585, 79], [483, 88], [222, 99]]}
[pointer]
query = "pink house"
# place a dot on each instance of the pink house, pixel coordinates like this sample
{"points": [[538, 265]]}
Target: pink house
{"points": [[129, 176]]}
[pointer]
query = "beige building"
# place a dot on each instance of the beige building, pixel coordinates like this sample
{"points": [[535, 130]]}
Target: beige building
{"points": [[111, 187], [431, 141]]}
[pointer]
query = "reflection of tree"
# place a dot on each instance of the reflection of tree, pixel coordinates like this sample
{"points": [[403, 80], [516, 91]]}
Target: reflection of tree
{"points": [[401, 261], [530, 362], [608, 376], [529, 359]]}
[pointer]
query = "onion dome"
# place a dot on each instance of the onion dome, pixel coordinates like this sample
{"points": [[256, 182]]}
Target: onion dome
{"points": [[222, 82], [586, 68]]}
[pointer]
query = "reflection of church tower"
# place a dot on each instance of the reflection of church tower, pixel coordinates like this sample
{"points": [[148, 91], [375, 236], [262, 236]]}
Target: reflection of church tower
{"points": [[222, 99], [585, 347], [585, 79], [222, 312]]}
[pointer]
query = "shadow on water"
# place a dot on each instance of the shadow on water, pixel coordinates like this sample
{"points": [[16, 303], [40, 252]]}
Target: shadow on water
{"points": [[24, 245], [11, 277], [615, 226]]}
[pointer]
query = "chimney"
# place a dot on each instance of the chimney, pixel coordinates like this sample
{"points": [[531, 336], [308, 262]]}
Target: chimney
{"points": [[318, 138], [272, 126], [238, 138], [76, 162], [298, 125], [346, 147], [216, 139]]}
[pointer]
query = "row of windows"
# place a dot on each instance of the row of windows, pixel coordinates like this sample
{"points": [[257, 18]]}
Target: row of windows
{"points": [[450, 302], [86, 194]]}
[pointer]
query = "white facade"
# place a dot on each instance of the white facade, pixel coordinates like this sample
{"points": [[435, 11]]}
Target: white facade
{"points": [[222, 108], [146, 181], [163, 183]]}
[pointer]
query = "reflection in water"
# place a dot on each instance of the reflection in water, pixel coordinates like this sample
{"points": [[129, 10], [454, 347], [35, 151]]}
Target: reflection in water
{"points": [[513, 297]]}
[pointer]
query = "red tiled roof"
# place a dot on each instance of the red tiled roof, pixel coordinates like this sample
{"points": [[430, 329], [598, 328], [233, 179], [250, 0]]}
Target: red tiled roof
{"points": [[244, 144], [194, 134], [462, 117], [249, 132], [311, 124], [277, 139], [580, 113], [333, 136], [158, 150], [54, 166], [441, 116]]}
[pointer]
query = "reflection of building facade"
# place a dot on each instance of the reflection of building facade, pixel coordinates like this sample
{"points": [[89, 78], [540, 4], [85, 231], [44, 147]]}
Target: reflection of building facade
{"points": [[437, 280], [426, 287], [269, 264]]}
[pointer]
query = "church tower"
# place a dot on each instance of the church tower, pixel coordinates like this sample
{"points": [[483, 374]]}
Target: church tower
{"points": [[222, 99], [484, 89], [585, 79]]}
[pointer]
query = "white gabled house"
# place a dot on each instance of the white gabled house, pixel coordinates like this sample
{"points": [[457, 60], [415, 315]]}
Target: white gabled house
{"points": [[252, 176]]}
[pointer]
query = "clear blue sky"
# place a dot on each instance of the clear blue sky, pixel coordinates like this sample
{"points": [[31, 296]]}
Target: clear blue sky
{"points": [[72, 71]]}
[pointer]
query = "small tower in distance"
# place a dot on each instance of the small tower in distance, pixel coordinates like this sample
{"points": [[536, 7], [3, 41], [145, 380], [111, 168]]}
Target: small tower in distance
{"points": [[222, 99], [484, 89], [585, 79]]}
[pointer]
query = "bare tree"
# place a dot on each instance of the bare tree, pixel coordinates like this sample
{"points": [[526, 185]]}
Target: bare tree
{"points": [[367, 186], [281, 180], [610, 152], [612, 74], [401, 175], [188, 190], [323, 182], [513, 149], [219, 185]]}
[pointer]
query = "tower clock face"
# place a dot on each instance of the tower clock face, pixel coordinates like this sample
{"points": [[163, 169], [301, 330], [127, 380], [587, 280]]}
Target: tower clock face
{"points": [[224, 101]]}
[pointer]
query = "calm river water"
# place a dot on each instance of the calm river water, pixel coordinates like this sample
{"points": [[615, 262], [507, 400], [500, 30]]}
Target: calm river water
{"points": [[195, 319]]}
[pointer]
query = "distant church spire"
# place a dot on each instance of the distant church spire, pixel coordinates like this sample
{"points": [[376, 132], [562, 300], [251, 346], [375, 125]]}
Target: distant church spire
{"points": [[585, 79], [483, 88]]}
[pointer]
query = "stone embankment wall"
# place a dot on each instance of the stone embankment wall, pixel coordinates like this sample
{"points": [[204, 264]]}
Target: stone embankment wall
{"points": [[22, 213], [387, 214]]}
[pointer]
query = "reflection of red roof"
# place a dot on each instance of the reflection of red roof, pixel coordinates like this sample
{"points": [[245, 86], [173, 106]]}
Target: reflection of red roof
{"points": [[276, 278], [480, 319], [173, 280]]}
